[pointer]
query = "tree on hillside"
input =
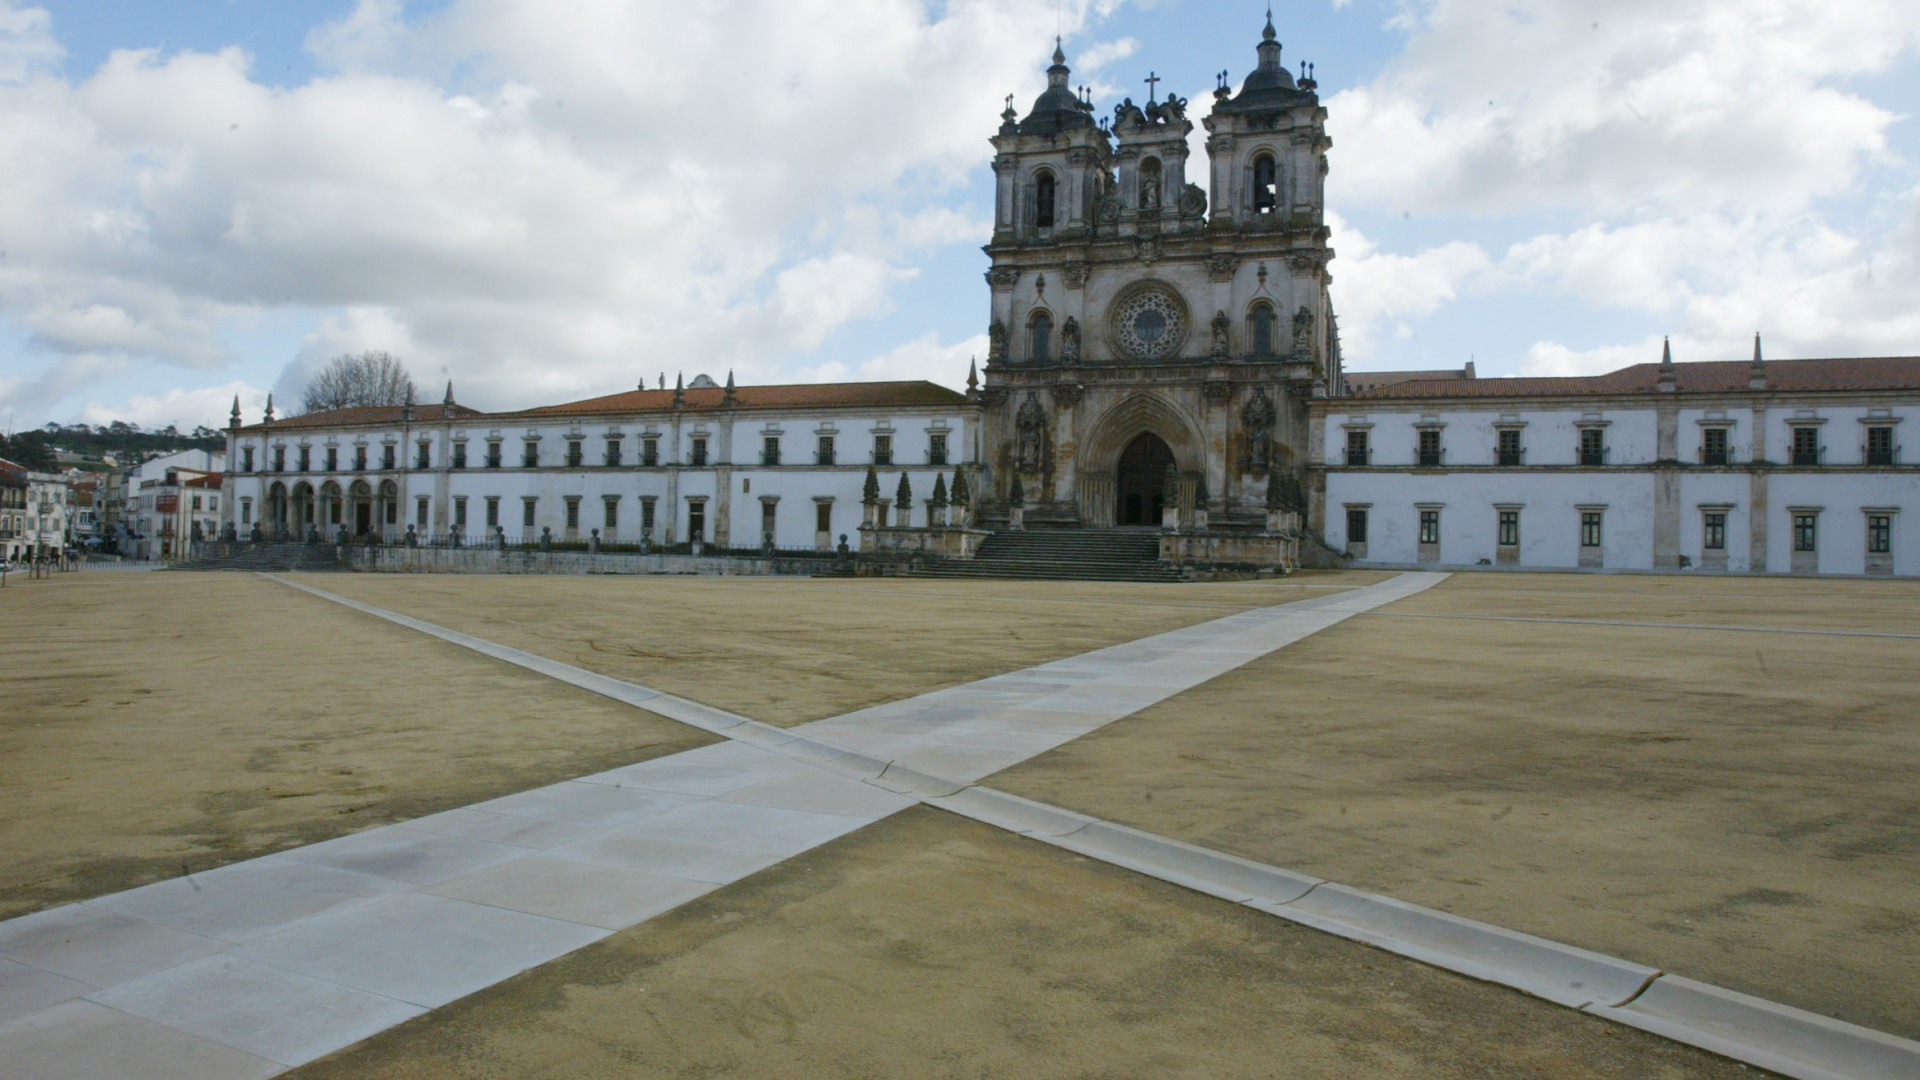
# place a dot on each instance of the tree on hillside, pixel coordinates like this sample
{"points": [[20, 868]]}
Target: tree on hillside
{"points": [[349, 381]]}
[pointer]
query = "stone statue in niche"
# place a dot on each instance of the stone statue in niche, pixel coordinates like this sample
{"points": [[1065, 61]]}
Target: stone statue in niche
{"points": [[1030, 425], [1303, 330], [1070, 341], [1258, 416], [1221, 326]]}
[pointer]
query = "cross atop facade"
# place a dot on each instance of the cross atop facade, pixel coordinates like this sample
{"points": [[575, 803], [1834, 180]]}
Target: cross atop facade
{"points": [[1152, 80]]}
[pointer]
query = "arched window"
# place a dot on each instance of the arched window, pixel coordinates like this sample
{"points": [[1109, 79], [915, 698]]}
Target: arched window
{"points": [[1262, 330], [1150, 184], [1266, 184], [1042, 335], [1043, 201]]}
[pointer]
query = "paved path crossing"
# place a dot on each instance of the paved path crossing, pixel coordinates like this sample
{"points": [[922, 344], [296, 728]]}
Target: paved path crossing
{"points": [[258, 966]]}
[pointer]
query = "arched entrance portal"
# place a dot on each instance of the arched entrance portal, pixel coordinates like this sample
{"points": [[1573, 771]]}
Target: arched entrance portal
{"points": [[1140, 481]]}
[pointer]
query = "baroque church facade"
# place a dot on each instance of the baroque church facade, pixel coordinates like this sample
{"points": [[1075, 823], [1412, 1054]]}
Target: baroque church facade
{"points": [[1153, 350]]}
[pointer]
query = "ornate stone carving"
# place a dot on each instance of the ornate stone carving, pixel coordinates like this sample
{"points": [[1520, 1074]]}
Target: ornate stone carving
{"points": [[1149, 324], [1074, 274], [1193, 201], [1221, 326], [1146, 249], [1110, 207], [1218, 391], [1067, 395], [1303, 330], [1003, 277], [997, 343], [1030, 426], [1257, 416], [1222, 267], [1070, 341], [993, 396], [1306, 262]]}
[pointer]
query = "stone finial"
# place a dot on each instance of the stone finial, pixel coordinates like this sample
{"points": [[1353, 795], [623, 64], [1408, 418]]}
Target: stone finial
{"points": [[234, 420], [870, 491], [448, 400], [406, 406], [961, 495], [1757, 374], [1668, 375], [679, 389], [939, 490], [729, 399], [973, 377], [903, 495], [269, 408]]}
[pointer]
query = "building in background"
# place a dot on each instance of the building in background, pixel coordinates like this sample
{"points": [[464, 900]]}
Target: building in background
{"points": [[158, 503], [42, 531]]}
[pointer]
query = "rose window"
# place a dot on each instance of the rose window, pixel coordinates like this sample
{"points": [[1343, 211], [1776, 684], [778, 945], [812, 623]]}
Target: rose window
{"points": [[1149, 326]]}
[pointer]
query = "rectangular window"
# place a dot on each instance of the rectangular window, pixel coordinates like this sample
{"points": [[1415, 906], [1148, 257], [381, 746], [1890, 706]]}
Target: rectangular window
{"points": [[610, 512], [333, 459], [1593, 446], [493, 453], [359, 459], [823, 453], [768, 519], [279, 459], [573, 511], [1429, 526], [527, 506], [697, 521], [246, 511], [1509, 528], [770, 450], [306, 459], [1715, 530], [1879, 446], [393, 512], [937, 448], [420, 512], [530, 454], [1357, 450], [1509, 447], [697, 456], [1806, 532], [1713, 446], [1806, 448], [646, 514], [196, 502], [424, 459], [1429, 448], [386, 456], [1356, 526], [493, 511], [1590, 528], [613, 451], [213, 503], [650, 452], [883, 449], [459, 513], [823, 517], [1879, 534], [460, 455], [246, 460], [574, 456]]}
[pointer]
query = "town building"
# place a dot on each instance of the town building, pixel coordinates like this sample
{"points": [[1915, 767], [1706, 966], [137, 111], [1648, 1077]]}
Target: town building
{"points": [[40, 520], [159, 512]]}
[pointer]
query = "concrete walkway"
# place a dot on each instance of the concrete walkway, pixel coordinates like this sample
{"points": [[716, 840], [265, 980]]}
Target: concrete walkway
{"points": [[258, 966]]}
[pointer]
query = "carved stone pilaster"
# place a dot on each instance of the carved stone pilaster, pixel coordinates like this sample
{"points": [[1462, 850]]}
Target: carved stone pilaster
{"points": [[1074, 274], [1002, 278], [1222, 267]]}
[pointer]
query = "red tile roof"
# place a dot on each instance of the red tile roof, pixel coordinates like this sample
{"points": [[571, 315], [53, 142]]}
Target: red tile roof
{"points": [[369, 415], [211, 480], [1789, 376], [789, 396], [877, 395]]}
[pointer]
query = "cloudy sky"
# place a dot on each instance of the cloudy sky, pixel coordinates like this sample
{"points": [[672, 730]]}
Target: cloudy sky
{"points": [[546, 200]]}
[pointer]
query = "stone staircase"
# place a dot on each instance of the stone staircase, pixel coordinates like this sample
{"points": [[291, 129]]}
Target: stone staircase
{"points": [[265, 558], [1110, 554]]}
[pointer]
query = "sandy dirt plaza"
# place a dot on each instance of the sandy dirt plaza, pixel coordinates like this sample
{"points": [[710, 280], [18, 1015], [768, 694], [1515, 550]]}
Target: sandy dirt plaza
{"points": [[1712, 776]]}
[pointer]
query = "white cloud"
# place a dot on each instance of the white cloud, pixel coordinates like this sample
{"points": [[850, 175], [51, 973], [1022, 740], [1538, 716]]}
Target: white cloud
{"points": [[1379, 288], [548, 199], [186, 409], [921, 358]]}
